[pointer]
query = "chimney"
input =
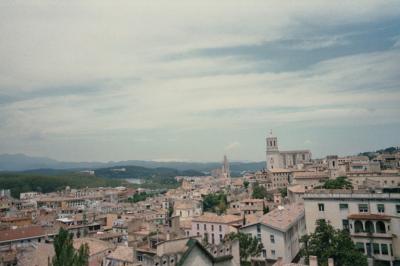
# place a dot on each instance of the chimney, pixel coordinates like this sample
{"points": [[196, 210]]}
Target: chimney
{"points": [[313, 261]]}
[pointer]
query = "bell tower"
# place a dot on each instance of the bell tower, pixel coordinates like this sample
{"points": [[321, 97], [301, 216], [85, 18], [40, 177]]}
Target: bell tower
{"points": [[273, 156]]}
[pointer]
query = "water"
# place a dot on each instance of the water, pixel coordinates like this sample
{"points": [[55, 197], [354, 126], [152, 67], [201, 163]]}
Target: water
{"points": [[134, 180]]}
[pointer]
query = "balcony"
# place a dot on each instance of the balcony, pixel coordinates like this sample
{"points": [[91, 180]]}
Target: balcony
{"points": [[370, 225]]}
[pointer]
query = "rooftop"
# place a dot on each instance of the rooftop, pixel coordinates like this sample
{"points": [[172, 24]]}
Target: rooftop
{"points": [[297, 189], [348, 193], [214, 218], [283, 217], [122, 253], [21, 233], [95, 245]]}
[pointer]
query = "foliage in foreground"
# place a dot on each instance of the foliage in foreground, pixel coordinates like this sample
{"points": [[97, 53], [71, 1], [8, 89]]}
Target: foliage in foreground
{"points": [[249, 246], [326, 242], [66, 255]]}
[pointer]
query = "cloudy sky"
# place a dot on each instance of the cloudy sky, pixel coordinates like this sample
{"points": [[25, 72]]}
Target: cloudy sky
{"points": [[192, 80]]}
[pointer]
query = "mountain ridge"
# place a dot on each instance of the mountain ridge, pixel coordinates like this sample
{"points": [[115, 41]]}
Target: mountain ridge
{"points": [[22, 162]]}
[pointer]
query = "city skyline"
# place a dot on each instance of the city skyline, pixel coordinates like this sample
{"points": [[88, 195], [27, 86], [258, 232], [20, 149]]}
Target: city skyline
{"points": [[193, 81]]}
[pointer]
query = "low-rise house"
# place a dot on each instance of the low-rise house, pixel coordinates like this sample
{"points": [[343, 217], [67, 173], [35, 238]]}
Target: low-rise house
{"points": [[22, 236], [121, 256], [98, 249], [190, 251], [279, 231], [213, 227], [187, 209]]}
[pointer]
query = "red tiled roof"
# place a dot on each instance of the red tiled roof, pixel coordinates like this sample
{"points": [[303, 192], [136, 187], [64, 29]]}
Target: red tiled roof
{"points": [[21, 233]]}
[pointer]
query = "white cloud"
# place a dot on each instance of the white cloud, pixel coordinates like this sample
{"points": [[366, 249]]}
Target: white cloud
{"points": [[121, 52], [232, 146]]}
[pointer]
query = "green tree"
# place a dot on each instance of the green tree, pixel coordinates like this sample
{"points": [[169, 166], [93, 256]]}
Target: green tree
{"points": [[215, 202], [340, 182], [65, 254], [249, 246], [326, 242], [265, 209], [259, 192], [283, 192], [246, 184]]}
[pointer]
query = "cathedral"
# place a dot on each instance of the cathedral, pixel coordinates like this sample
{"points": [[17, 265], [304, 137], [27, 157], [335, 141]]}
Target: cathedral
{"points": [[284, 159]]}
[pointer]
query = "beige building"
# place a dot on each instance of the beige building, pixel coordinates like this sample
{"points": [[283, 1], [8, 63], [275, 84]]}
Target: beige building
{"points": [[373, 219], [187, 209], [309, 179], [279, 231], [213, 228], [284, 159]]}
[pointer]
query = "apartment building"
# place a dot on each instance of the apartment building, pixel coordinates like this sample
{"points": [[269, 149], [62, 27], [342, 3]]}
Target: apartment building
{"points": [[213, 227], [372, 219], [279, 231]]}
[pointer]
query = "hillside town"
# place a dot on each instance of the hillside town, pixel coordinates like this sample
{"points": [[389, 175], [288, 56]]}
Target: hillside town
{"points": [[194, 223]]}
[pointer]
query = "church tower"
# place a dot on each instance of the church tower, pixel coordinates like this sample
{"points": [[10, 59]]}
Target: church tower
{"points": [[273, 155]]}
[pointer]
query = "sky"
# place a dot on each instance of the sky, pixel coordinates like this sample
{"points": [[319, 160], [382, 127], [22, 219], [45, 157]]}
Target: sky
{"points": [[194, 80]]}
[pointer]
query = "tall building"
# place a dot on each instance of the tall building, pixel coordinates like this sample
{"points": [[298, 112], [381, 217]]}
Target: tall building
{"points": [[226, 172], [284, 159]]}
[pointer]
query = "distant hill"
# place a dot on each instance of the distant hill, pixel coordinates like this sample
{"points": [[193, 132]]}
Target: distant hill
{"points": [[21, 162], [143, 172], [372, 154]]}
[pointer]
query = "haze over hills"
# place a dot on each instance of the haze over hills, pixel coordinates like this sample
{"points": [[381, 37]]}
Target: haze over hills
{"points": [[22, 162]]}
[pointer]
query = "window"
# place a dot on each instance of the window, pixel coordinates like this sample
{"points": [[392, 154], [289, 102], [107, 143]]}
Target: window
{"points": [[220, 228], [345, 224], [384, 249], [198, 226], [220, 237], [376, 248], [360, 247], [212, 239], [398, 208], [381, 208], [321, 207], [264, 253], [212, 227], [363, 207], [258, 228], [272, 252], [369, 251], [380, 227], [205, 227], [343, 206], [272, 238]]}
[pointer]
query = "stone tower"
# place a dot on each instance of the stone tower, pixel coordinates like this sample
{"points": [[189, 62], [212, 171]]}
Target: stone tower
{"points": [[226, 172], [273, 155]]}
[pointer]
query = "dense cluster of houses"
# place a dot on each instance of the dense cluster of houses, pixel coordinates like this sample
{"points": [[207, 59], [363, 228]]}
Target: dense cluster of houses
{"points": [[173, 228]]}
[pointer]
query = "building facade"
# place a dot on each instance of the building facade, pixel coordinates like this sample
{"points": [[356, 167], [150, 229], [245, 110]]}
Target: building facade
{"points": [[284, 159], [279, 231], [372, 219]]}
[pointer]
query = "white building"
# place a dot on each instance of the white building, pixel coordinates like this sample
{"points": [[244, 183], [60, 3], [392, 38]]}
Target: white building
{"points": [[187, 209], [373, 219], [279, 231], [284, 159], [213, 228]]}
